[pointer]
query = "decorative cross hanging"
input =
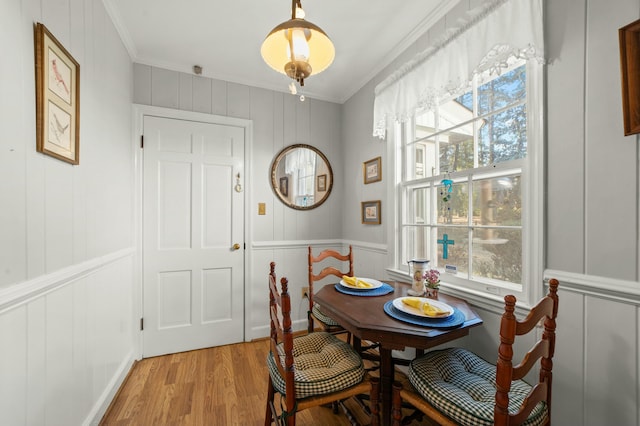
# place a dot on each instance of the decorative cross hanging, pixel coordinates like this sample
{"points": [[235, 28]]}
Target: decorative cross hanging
{"points": [[445, 241]]}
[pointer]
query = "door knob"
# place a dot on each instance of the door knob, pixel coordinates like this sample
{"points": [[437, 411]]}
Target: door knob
{"points": [[236, 246]]}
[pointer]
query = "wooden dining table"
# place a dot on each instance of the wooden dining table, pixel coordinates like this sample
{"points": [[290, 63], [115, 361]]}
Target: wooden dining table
{"points": [[365, 318]]}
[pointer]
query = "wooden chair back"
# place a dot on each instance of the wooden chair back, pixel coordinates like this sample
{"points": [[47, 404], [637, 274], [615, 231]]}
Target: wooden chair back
{"points": [[281, 330], [328, 270], [542, 350], [282, 334]]}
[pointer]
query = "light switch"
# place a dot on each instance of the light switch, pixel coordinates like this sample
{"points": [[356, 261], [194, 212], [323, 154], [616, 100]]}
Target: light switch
{"points": [[262, 209]]}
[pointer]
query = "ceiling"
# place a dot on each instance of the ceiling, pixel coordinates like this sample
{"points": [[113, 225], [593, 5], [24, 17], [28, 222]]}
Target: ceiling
{"points": [[224, 37]]}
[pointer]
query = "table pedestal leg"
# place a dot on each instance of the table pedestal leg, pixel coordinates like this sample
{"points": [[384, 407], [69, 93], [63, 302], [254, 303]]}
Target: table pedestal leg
{"points": [[386, 381]]}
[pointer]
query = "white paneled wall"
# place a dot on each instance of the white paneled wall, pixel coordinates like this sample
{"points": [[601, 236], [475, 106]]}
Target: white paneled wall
{"points": [[66, 234], [69, 348]]}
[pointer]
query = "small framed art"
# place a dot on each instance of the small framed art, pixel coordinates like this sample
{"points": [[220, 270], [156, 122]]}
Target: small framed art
{"points": [[371, 212], [322, 183], [372, 170], [57, 98], [284, 186]]}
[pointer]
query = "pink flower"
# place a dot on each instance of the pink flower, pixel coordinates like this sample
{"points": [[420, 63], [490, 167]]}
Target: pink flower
{"points": [[432, 276]]}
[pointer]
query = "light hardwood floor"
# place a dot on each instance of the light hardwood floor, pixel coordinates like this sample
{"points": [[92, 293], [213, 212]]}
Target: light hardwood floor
{"points": [[226, 385]]}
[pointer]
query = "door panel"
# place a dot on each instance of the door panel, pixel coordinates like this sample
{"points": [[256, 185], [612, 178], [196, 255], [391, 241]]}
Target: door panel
{"points": [[193, 278]]}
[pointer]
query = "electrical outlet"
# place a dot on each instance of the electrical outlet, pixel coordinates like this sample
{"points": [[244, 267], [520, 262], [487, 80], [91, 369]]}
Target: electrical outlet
{"points": [[305, 292]]}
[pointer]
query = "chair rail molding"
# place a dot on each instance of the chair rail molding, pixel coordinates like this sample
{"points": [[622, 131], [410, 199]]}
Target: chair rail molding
{"points": [[23, 292], [604, 287], [296, 244]]}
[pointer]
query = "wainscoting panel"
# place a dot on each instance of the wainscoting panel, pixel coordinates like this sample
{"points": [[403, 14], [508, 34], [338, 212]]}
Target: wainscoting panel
{"points": [[610, 367], [70, 347]]}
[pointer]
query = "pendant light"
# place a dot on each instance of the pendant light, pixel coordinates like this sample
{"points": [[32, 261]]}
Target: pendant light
{"points": [[298, 48]]}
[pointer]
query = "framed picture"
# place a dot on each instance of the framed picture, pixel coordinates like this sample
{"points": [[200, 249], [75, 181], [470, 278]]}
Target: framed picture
{"points": [[57, 98], [373, 170], [371, 212], [322, 183], [284, 186], [629, 36]]}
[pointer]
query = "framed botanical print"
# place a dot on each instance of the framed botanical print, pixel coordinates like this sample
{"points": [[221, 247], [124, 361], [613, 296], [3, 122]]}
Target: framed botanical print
{"points": [[57, 98], [372, 170], [370, 212]]}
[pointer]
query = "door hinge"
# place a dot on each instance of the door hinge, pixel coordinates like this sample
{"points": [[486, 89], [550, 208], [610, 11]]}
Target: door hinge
{"points": [[141, 141], [141, 324]]}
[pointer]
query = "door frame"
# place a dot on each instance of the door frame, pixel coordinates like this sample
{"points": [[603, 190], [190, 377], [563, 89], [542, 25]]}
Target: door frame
{"points": [[139, 112]]}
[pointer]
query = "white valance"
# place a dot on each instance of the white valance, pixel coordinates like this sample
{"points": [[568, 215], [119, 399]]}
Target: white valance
{"points": [[494, 34]]}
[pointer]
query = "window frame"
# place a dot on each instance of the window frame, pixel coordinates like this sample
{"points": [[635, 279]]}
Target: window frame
{"points": [[533, 201]]}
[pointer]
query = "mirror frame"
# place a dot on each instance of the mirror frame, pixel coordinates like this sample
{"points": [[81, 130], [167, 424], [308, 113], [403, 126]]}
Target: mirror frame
{"points": [[275, 185]]}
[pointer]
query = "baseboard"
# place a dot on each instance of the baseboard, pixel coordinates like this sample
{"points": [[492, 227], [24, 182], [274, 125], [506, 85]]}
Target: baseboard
{"points": [[263, 331]]}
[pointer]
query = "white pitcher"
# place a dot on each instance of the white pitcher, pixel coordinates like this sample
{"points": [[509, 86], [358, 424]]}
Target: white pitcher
{"points": [[417, 269]]}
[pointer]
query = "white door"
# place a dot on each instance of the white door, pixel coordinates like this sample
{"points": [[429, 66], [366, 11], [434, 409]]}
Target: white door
{"points": [[193, 214]]}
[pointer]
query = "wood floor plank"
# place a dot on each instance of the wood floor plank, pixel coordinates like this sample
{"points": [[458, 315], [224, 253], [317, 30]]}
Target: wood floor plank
{"points": [[221, 386]]}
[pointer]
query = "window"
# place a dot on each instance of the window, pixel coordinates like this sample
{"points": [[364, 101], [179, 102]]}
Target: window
{"points": [[469, 190]]}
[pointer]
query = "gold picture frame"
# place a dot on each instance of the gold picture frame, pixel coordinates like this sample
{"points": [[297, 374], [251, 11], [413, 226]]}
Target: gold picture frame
{"points": [[372, 170], [322, 183], [284, 186], [57, 98], [629, 36], [371, 212]]}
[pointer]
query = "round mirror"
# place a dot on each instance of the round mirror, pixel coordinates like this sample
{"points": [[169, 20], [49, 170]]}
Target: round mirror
{"points": [[301, 177]]}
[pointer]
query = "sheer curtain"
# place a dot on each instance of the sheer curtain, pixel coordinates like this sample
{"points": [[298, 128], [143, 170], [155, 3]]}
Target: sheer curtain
{"points": [[494, 34]]}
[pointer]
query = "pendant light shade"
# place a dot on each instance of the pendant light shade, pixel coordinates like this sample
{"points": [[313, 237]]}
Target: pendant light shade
{"points": [[298, 48]]}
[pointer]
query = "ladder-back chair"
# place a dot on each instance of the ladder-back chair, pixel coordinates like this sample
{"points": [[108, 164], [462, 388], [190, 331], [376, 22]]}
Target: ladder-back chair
{"points": [[456, 387], [309, 370], [315, 315]]}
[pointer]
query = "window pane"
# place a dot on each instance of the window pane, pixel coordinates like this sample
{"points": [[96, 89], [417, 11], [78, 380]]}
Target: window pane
{"points": [[421, 159], [503, 136], [453, 113], [503, 91], [421, 203], [456, 154], [455, 210], [417, 242], [497, 201], [425, 124], [497, 254], [457, 249]]}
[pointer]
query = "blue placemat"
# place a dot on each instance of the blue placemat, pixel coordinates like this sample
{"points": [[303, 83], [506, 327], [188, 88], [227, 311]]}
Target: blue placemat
{"points": [[455, 320], [382, 290]]}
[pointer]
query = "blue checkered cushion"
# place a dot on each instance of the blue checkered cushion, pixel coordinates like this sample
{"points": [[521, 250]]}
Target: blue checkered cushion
{"points": [[322, 317], [323, 364], [462, 385]]}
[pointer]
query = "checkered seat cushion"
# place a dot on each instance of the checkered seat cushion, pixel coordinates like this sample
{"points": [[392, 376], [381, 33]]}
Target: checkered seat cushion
{"points": [[462, 385], [323, 364], [317, 312]]}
